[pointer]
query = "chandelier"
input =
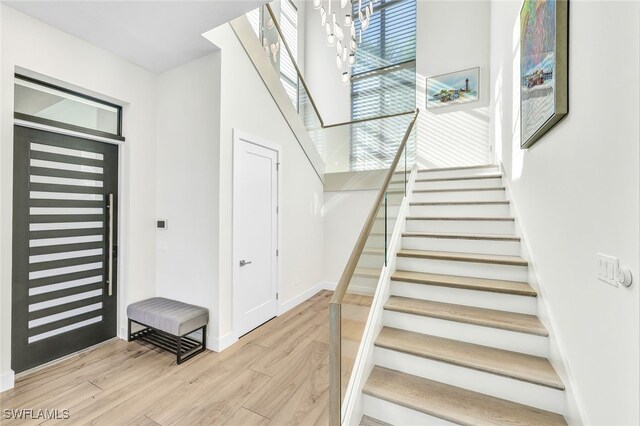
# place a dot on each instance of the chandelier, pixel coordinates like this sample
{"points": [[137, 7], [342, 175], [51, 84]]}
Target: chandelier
{"points": [[341, 32]]}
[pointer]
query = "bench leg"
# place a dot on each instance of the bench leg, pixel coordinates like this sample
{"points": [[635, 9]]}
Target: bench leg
{"points": [[129, 332], [179, 350]]}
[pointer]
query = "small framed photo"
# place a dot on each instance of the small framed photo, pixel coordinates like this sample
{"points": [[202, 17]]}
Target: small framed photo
{"points": [[459, 87]]}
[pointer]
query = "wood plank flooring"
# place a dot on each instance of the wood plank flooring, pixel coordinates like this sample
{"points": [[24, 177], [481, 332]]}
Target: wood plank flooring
{"points": [[275, 375]]}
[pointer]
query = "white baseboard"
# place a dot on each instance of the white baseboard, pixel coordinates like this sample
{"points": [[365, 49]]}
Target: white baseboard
{"points": [[222, 343], [7, 380], [283, 307]]}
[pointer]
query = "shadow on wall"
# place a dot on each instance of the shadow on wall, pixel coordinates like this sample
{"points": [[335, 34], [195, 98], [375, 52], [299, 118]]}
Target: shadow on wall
{"points": [[452, 136]]}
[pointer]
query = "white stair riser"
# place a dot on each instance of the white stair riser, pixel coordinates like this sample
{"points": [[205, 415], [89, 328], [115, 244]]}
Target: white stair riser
{"points": [[443, 174], [501, 227], [379, 225], [464, 269], [466, 183], [507, 388], [371, 260], [487, 336], [464, 210], [507, 248], [458, 296], [394, 198], [377, 241], [392, 210], [419, 197], [396, 414], [362, 285]]}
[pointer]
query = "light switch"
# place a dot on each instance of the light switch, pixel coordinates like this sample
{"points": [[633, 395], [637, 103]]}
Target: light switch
{"points": [[607, 269]]}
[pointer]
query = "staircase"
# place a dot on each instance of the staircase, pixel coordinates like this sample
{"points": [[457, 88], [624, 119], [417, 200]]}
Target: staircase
{"points": [[460, 341]]}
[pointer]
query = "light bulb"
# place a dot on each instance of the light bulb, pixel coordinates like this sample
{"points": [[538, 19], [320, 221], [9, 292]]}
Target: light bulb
{"points": [[338, 61], [345, 77], [339, 32], [352, 44], [335, 21], [339, 46], [347, 19], [270, 23], [344, 54], [317, 3], [353, 30], [323, 15], [352, 59], [327, 28]]}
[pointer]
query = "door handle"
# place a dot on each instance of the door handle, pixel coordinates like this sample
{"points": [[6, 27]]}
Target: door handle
{"points": [[110, 247], [244, 262]]}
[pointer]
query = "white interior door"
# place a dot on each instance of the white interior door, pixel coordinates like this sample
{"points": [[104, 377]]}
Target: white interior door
{"points": [[255, 226]]}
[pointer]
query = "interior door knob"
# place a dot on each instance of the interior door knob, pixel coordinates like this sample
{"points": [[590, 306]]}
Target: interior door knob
{"points": [[244, 262]]}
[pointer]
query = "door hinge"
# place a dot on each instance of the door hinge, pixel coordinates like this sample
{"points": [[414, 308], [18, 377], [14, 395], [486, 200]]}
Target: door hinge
{"points": [[277, 166], [277, 296], [277, 209], [276, 252]]}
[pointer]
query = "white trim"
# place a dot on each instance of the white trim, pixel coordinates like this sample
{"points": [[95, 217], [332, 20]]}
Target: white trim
{"points": [[222, 343], [560, 363], [58, 130], [241, 136], [7, 380], [352, 408], [284, 307]]}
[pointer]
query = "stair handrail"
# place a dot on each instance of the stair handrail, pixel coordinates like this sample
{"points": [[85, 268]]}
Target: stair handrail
{"points": [[341, 289], [283, 41]]}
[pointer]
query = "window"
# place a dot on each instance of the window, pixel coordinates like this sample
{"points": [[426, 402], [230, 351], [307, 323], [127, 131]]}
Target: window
{"points": [[47, 104], [383, 81], [289, 25]]}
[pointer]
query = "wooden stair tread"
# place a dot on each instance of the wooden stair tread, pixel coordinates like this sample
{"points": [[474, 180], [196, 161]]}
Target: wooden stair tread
{"points": [[527, 368], [373, 251], [495, 237], [496, 188], [452, 403], [370, 421], [367, 272], [444, 169], [511, 321], [468, 218], [469, 283], [457, 178], [464, 257], [457, 203]]}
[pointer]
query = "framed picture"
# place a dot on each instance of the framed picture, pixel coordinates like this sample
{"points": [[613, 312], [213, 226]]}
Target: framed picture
{"points": [[454, 88], [544, 92]]}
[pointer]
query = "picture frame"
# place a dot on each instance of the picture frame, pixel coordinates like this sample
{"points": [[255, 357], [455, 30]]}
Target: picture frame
{"points": [[544, 67], [454, 88]]}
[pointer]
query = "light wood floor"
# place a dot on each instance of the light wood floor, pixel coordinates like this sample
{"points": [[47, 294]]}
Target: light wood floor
{"points": [[277, 375]]}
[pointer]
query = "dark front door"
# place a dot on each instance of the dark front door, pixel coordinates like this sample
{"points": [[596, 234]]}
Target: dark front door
{"points": [[64, 245]]}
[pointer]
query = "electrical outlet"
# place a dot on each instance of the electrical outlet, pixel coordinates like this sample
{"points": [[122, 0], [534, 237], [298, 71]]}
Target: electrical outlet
{"points": [[607, 269]]}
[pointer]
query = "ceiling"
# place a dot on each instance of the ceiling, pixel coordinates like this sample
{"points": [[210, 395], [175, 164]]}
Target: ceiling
{"points": [[156, 35]]}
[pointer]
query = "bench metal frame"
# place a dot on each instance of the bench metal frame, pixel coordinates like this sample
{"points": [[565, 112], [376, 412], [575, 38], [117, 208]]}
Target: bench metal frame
{"points": [[182, 346]]}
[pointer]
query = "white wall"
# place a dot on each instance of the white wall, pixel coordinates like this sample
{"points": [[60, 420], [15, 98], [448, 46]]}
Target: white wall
{"points": [[187, 182], [31, 45], [246, 105], [452, 36], [344, 213], [577, 194]]}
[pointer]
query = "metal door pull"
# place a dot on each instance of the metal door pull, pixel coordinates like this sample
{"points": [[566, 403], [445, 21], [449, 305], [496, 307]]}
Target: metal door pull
{"points": [[244, 262]]}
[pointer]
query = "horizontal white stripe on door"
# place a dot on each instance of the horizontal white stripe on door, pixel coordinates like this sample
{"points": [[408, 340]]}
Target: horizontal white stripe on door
{"points": [[65, 329], [65, 181], [65, 285], [65, 166], [66, 270], [66, 151], [66, 240], [67, 255], [65, 210], [66, 314], [62, 300], [39, 195], [64, 225]]}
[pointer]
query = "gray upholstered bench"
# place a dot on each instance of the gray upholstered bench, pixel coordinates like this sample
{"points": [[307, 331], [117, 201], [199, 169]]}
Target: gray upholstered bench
{"points": [[168, 324]]}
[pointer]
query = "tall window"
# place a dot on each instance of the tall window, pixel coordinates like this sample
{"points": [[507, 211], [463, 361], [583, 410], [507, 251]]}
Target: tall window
{"points": [[289, 24], [383, 81]]}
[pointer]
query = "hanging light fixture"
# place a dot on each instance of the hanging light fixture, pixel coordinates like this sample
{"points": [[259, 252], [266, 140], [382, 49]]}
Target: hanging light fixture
{"points": [[337, 30]]}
